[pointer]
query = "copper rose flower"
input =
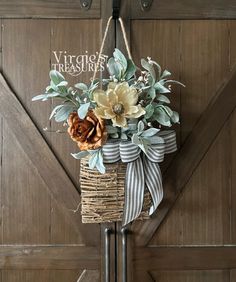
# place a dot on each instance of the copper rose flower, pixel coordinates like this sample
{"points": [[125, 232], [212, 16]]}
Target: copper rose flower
{"points": [[90, 132]]}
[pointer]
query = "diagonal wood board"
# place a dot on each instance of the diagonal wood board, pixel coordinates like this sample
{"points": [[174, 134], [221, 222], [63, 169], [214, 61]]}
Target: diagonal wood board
{"points": [[190, 155]]}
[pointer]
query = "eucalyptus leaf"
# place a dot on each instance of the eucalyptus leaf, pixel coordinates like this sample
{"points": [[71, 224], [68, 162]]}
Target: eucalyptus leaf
{"points": [[150, 132], [99, 165], [149, 111], [165, 74], [175, 117], [114, 68], [123, 136], [56, 77], [162, 98], [55, 110], [161, 116], [63, 113], [81, 86], [140, 126], [39, 97], [83, 110], [174, 81], [160, 88], [152, 93], [111, 129], [147, 66], [93, 160], [80, 155], [131, 69], [118, 55], [156, 140]]}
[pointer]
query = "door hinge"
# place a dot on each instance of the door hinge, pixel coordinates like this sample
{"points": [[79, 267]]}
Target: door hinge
{"points": [[85, 4], [146, 4]]}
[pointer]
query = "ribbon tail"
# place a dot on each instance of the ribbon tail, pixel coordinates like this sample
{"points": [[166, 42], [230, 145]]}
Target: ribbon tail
{"points": [[134, 191], [153, 181]]}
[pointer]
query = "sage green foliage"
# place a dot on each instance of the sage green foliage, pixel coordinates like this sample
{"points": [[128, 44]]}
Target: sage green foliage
{"points": [[72, 99], [154, 92]]}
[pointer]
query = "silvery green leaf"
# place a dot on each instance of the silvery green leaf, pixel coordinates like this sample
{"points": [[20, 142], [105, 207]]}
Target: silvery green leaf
{"points": [[140, 126], [56, 77], [123, 136], [144, 144], [62, 83], [63, 113], [131, 126], [149, 111], [83, 110], [165, 74], [152, 93], [114, 68], [162, 98], [156, 140], [99, 164], [145, 64], [118, 55], [111, 129], [81, 86], [150, 132], [80, 155], [131, 69], [55, 110], [161, 116], [174, 81], [39, 97], [160, 88], [167, 110], [175, 117], [135, 139], [93, 160], [158, 67], [114, 135]]}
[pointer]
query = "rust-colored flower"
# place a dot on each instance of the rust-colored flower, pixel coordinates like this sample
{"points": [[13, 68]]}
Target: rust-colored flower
{"points": [[89, 133]]}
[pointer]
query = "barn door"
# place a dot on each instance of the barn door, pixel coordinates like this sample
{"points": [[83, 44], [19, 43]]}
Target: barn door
{"points": [[193, 235], [42, 237]]}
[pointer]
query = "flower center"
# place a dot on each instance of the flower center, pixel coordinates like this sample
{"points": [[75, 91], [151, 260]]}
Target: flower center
{"points": [[118, 109]]}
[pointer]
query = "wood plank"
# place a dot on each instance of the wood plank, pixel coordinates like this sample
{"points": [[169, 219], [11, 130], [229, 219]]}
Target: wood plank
{"points": [[72, 37], [184, 9], [191, 276], [31, 141], [67, 257], [233, 275], [201, 216], [191, 154], [185, 258], [48, 9], [40, 275]]}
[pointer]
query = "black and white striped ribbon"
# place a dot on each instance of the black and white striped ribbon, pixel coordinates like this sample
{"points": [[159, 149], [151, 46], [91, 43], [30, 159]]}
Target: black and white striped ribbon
{"points": [[142, 171]]}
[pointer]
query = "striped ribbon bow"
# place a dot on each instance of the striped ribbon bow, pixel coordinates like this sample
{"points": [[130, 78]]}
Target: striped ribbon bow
{"points": [[142, 171]]}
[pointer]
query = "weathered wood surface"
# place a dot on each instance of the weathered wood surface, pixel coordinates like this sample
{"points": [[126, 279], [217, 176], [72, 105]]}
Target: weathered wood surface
{"points": [[48, 9]]}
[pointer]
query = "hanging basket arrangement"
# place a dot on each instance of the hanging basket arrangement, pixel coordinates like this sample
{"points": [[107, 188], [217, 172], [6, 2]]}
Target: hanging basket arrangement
{"points": [[120, 126]]}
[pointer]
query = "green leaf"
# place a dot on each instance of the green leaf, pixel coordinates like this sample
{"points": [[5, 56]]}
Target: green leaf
{"points": [[152, 93], [174, 81], [83, 110], [131, 69], [118, 55], [149, 111], [150, 132], [123, 136], [140, 126], [93, 160], [99, 165], [161, 116], [162, 98], [114, 135], [39, 97], [56, 77], [55, 110], [81, 86], [63, 113], [111, 129], [80, 155], [114, 68], [165, 74], [160, 88], [145, 64], [175, 117], [156, 140]]}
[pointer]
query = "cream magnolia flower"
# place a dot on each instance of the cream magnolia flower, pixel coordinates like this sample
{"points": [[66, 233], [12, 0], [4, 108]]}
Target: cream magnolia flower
{"points": [[118, 103]]}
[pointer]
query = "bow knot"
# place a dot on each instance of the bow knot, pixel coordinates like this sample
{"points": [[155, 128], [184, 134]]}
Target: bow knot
{"points": [[142, 171]]}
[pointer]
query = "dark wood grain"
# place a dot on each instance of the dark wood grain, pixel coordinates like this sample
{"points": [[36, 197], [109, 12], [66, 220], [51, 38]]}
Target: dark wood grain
{"points": [[185, 258], [184, 9], [190, 155], [49, 257], [48, 9], [39, 153]]}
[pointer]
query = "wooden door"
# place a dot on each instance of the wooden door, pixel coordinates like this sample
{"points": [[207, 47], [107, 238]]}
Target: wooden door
{"points": [[41, 234], [192, 236]]}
